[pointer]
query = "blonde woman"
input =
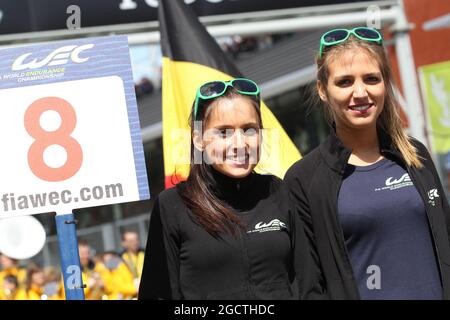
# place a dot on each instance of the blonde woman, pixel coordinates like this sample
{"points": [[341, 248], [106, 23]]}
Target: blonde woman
{"points": [[370, 197]]}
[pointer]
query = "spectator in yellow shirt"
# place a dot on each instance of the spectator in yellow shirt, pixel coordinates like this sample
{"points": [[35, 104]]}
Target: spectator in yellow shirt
{"points": [[91, 273], [54, 286], [118, 280], [35, 283], [11, 267], [133, 256], [11, 289]]}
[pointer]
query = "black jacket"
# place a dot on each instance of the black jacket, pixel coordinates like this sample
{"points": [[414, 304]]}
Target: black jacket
{"points": [[183, 261], [314, 183]]}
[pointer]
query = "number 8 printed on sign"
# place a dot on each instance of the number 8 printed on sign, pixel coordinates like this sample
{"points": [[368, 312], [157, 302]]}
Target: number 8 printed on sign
{"points": [[44, 139]]}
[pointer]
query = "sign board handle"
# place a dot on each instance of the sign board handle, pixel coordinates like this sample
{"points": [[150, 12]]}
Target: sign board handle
{"points": [[70, 260]]}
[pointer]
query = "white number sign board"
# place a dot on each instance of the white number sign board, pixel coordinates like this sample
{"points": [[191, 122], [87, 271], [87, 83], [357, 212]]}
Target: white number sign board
{"points": [[70, 127]]}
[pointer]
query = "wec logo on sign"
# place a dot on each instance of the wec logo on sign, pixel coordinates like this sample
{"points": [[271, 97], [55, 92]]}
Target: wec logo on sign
{"points": [[57, 57]]}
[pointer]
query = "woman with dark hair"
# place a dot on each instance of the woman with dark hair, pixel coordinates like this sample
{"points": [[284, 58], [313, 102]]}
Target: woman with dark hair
{"points": [[370, 198], [226, 232]]}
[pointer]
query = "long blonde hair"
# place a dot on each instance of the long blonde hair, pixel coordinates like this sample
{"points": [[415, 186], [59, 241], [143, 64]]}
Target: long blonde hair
{"points": [[389, 120]]}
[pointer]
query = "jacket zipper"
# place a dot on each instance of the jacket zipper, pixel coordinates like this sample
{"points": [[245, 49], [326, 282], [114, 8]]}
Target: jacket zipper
{"points": [[246, 262]]}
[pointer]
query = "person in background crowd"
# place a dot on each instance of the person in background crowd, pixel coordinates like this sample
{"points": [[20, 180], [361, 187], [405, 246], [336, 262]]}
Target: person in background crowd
{"points": [[54, 286], [11, 267], [35, 283], [118, 280], [91, 273], [133, 255], [11, 289]]}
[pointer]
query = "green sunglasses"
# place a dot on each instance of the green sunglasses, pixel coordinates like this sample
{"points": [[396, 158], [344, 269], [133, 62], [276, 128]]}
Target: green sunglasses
{"points": [[335, 36], [214, 89]]}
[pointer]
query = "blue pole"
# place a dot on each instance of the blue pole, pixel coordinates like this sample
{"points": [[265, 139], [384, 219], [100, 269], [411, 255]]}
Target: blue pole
{"points": [[70, 259]]}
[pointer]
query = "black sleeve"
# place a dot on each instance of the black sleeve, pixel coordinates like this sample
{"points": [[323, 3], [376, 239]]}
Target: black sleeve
{"points": [[423, 152], [160, 273], [309, 273]]}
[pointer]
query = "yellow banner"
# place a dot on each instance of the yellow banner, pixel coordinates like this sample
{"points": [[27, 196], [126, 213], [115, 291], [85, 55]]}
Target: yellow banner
{"points": [[435, 79]]}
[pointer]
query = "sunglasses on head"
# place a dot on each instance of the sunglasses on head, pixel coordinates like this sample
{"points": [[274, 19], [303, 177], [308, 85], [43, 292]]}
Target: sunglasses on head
{"points": [[214, 89], [335, 36]]}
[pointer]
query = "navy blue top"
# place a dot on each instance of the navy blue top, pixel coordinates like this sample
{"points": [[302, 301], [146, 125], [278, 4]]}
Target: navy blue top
{"points": [[387, 234]]}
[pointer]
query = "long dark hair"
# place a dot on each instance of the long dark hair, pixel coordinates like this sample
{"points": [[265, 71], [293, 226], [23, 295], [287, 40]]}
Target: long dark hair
{"points": [[213, 214]]}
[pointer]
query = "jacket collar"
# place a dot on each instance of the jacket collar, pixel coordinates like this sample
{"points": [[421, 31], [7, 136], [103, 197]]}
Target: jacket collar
{"points": [[336, 155], [227, 188]]}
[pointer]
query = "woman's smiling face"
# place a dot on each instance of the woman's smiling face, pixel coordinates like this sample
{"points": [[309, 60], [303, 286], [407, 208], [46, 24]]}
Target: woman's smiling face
{"points": [[355, 90], [231, 138]]}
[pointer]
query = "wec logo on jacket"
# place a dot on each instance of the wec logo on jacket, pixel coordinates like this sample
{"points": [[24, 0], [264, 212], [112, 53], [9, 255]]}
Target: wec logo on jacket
{"points": [[432, 194], [274, 225]]}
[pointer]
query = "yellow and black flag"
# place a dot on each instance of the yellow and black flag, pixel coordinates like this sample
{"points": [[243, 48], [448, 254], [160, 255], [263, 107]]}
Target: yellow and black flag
{"points": [[192, 57]]}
